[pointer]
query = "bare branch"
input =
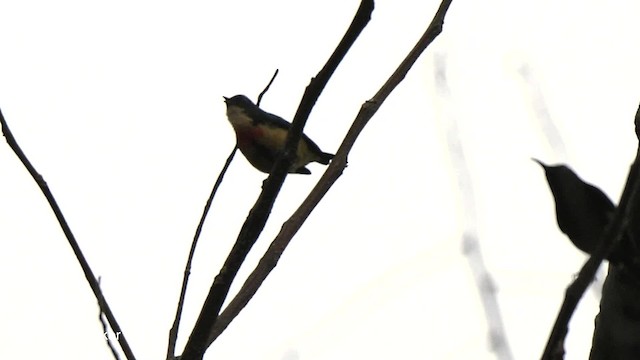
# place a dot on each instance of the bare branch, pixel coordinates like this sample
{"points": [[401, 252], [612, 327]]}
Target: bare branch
{"points": [[198, 341], [173, 332], [541, 109], [292, 225], [471, 246], [91, 279], [267, 87], [105, 330], [609, 239]]}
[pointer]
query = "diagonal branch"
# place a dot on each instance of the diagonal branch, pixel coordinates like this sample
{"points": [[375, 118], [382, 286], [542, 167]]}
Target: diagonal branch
{"points": [[173, 332], [270, 259], [198, 341], [608, 240], [93, 282], [266, 88], [105, 330]]}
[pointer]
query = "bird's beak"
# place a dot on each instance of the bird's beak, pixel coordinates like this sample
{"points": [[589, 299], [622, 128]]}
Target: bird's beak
{"points": [[225, 98], [539, 162]]}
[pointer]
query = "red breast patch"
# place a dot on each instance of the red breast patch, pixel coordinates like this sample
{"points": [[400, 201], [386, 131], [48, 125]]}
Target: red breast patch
{"points": [[247, 135]]}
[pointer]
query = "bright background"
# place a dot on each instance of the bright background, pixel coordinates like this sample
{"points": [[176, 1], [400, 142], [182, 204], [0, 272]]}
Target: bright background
{"points": [[119, 106]]}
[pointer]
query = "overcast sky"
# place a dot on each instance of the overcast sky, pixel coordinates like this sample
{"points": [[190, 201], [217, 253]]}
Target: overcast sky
{"points": [[119, 106]]}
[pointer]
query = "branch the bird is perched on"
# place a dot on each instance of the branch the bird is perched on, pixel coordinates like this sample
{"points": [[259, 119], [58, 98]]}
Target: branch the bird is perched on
{"points": [[338, 164], [256, 220]]}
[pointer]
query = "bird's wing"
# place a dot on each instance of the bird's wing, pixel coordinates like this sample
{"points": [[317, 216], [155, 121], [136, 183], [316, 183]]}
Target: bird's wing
{"points": [[262, 116]]}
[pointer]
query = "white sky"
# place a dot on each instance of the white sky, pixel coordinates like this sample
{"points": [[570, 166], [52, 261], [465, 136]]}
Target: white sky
{"points": [[119, 106]]}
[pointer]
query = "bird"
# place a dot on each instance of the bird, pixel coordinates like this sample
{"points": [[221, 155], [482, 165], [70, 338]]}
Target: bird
{"points": [[582, 210], [261, 137]]}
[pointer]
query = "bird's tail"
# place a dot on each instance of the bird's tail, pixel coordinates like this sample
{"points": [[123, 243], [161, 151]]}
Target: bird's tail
{"points": [[324, 158]]}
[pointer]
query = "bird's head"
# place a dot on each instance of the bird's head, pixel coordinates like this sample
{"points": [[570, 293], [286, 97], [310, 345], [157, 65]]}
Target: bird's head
{"points": [[240, 110], [240, 101]]}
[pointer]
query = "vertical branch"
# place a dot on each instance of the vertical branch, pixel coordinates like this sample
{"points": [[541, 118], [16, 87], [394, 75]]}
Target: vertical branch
{"points": [[88, 273], [470, 242], [616, 332], [251, 229]]}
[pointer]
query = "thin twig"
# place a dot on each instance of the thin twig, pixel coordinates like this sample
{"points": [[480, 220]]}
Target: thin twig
{"points": [[251, 229], [270, 259], [173, 332], [608, 240], [91, 279], [267, 87]]}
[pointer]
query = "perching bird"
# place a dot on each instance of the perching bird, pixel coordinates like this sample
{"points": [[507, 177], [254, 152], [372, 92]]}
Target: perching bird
{"points": [[261, 137], [582, 210]]}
